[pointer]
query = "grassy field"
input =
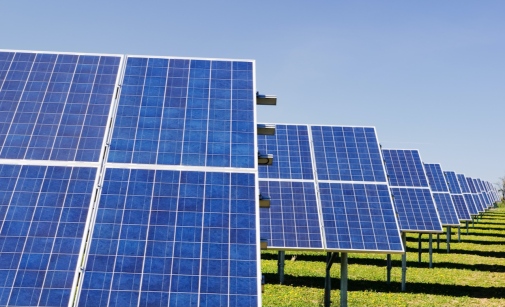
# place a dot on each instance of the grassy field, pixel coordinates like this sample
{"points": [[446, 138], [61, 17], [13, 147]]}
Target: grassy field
{"points": [[472, 274]]}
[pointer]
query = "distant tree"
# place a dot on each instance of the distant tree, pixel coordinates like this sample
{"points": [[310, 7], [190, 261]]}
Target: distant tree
{"points": [[501, 187]]}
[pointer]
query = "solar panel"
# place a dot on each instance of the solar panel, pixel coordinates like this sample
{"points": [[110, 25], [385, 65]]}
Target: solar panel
{"points": [[453, 183], [411, 193], [470, 202], [441, 196], [348, 197], [43, 212], [290, 147], [485, 197], [347, 154], [457, 196], [477, 201], [55, 106], [359, 217], [404, 168], [185, 112], [173, 238], [292, 221]]}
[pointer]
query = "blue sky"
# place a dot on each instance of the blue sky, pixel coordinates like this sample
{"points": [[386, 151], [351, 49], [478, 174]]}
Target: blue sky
{"points": [[429, 75]]}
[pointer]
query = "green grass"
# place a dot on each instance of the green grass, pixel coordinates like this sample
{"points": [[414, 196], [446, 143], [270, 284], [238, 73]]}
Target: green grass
{"points": [[472, 274]]}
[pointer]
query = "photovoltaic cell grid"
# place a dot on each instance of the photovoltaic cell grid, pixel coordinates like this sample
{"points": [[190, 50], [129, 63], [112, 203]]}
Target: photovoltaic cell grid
{"points": [[477, 201], [43, 211], [411, 194], [453, 183], [55, 106], [457, 196], [441, 195], [292, 221], [469, 200], [347, 154], [356, 209], [290, 147], [480, 188], [436, 177], [173, 238], [359, 217], [185, 112], [404, 168]]}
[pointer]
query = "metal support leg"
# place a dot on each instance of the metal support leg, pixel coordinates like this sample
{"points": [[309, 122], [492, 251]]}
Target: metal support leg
{"points": [[438, 241], [466, 227], [459, 233], [330, 257], [404, 262], [419, 247], [343, 280], [280, 266], [473, 222], [431, 252], [448, 239], [388, 257]]}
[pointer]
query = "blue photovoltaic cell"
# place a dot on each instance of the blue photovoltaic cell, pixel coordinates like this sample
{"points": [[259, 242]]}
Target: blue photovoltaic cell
{"points": [[292, 221], [185, 112], [416, 210], [404, 168], [290, 147], [55, 106], [457, 196], [461, 207], [359, 217], [441, 195], [173, 238], [347, 154], [452, 180], [436, 178], [470, 203], [482, 193], [43, 211], [463, 183], [446, 209], [411, 193], [477, 201]]}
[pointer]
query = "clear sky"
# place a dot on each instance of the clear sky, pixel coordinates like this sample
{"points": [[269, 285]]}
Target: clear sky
{"points": [[429, 75]]}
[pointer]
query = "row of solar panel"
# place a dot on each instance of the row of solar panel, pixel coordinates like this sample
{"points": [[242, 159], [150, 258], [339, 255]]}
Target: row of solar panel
{"points": [[160, 204], [309, 158]]}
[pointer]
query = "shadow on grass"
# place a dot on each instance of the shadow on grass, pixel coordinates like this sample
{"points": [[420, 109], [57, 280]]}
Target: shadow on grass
{"points": [[395, 262], [383, 286]]}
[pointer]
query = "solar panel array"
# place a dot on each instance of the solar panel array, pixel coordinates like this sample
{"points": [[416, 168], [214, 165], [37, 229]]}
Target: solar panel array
{"points": [[443, 201], [411, 192], [169, 209], [457, 196], [327, 189]]}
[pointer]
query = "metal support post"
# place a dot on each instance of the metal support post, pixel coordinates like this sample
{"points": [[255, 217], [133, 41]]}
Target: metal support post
{"points": [[438, 241], [459, 233], [448, 239], [473, 222], [466, 227], [280, 266], [419, 247], [343, 280], [404, 262], [431, 252], [388, 268], [330, 258]]}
